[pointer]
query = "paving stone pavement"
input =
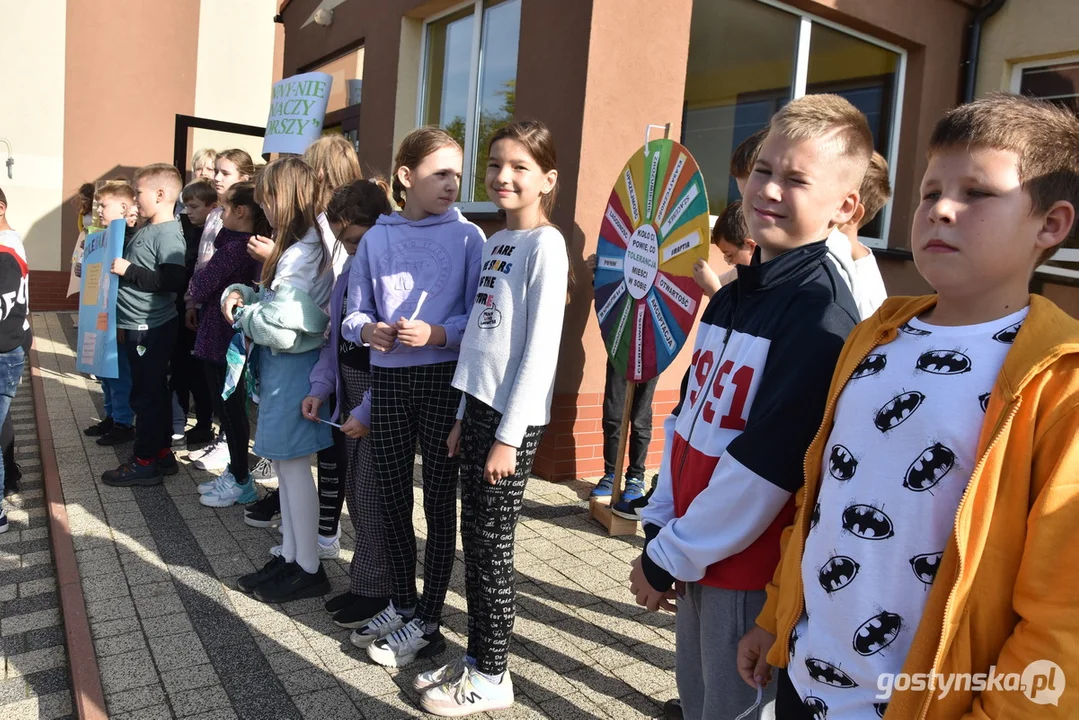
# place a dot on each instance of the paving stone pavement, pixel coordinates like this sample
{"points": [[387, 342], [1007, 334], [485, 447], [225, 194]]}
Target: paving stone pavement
{"points": [[174, 639], [35, 682]]}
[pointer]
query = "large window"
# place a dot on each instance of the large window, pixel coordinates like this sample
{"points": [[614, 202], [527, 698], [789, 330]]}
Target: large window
{"points": [[469, 80], [1058, 82], [748, 58]]}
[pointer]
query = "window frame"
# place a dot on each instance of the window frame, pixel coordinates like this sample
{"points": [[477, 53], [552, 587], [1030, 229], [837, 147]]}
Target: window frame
{"points": [[1069, 255], [469, 170], [801, 54]]}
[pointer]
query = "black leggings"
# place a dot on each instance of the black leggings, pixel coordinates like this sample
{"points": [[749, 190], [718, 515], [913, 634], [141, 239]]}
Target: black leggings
{"points": [[331, 473], [489, 515], [789, 705], [233, 416]]}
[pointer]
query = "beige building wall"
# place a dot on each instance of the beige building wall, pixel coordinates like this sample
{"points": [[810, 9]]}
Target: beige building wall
{"points": [[235, 69], [32, 120], [1025, 30]]}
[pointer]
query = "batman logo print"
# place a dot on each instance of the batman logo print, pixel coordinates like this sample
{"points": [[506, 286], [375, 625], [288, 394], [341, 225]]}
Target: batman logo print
{"points": [[898, 409], [1007, 335], [815, 707], [916, 332], [793, 641], [837, 573], [814, 517], [880, 709], [872, 365], [983, 400], [867, 522], [877, 633], [925, 566], [943, 362], [929, 468], [841, 463], [828, 674]]}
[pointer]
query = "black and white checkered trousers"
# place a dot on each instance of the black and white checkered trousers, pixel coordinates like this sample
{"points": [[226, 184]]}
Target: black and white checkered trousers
{"points": [[369, 574], [489, 515], [408, 404]]}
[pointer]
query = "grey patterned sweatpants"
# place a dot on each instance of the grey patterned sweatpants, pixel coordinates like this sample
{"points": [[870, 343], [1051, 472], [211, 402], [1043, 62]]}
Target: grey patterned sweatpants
{"points": [[369, 574]]}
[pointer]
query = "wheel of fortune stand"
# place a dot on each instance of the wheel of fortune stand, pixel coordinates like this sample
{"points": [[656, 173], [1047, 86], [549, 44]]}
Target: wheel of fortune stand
{"points": [[654, 229]]}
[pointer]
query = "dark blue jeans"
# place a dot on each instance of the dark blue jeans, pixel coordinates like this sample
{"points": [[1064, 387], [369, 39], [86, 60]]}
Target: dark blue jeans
{"points": [[10, 373]]}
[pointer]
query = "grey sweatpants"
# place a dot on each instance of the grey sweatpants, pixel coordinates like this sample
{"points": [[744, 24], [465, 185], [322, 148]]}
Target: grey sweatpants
{"points": [[710, 622]]}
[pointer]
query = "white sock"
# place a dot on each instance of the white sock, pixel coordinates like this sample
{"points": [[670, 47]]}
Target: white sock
{"points": [[302, 502], [493, 679], [288, 537]]}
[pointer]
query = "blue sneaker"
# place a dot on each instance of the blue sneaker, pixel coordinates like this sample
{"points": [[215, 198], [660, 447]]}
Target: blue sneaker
{"points": [[628, 505], [604, 487]]}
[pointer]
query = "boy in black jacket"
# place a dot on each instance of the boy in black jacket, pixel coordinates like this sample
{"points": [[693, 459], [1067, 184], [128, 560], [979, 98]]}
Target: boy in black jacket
{"points": [[751, 401], [151, 273]]}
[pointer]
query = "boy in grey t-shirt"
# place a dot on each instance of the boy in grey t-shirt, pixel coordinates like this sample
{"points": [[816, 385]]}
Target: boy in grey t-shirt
{"points": [[151, 273]]}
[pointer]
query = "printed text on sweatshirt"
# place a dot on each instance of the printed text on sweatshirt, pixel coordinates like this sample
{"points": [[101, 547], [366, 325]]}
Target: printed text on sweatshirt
{"points": [[510, 347]]}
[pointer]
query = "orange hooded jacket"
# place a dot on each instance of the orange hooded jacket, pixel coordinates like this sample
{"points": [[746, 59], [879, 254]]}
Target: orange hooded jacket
{"points": [[1007, 590]]}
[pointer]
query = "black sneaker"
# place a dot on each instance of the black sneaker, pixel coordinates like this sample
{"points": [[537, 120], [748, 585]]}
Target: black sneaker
{"points": [[360, 612], [340, 602], [99, 429], [117, 434], [248, 583], [168, 464], [200, 435], [12, 476], [131, 474], [294, 584], [264, 513], [672, 709]]}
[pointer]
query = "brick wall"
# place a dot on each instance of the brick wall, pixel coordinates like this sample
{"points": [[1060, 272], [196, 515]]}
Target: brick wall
{"points": [[48, 291], [572, 447]]}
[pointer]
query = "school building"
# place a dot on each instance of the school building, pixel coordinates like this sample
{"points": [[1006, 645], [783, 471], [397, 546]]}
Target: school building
{"points": [[599, 71], [92, 89]]}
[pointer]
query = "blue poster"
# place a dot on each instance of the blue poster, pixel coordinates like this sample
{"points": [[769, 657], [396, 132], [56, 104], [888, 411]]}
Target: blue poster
{"points": [[97, 302], [297, 108]]}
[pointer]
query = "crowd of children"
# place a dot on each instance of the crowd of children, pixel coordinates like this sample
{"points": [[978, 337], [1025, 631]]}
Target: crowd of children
{"points": [[832, 454]]}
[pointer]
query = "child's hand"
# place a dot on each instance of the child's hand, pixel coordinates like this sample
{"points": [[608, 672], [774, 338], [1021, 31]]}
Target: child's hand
{"points": [[705, 277], [413, 333], [753, 656], [501, 462], [310, 407], [191, 319], [354, 428], [233, 301], [259, 248], [120, 266], [453, 441], [647, 595], [380, 336], [591, 261], [78, 270]]}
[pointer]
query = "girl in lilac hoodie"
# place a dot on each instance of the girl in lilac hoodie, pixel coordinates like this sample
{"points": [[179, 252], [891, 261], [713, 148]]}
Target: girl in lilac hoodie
{"points": [[343, 373], [410, 293], [230, 264]]}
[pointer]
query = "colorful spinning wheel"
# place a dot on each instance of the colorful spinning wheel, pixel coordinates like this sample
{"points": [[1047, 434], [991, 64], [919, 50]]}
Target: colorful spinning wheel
{"points": [[654, 230]]}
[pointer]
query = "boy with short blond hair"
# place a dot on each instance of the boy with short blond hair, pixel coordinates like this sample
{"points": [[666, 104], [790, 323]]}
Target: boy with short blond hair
{"points": [[750, 402], [151, 273], [947, 452], [114, 199]]}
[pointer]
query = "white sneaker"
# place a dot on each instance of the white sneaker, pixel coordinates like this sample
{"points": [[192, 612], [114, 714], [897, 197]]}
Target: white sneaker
{"points": [[325, 552], [406, 644], [209, 486], [380, 626], [467, 694], [229, 492], [263, 470], [215, 457], [178, 439], [446, 673]]}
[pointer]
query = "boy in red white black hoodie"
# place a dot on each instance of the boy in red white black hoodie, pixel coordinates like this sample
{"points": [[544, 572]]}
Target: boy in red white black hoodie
{"points": [[14, 279], [751, 402]]}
